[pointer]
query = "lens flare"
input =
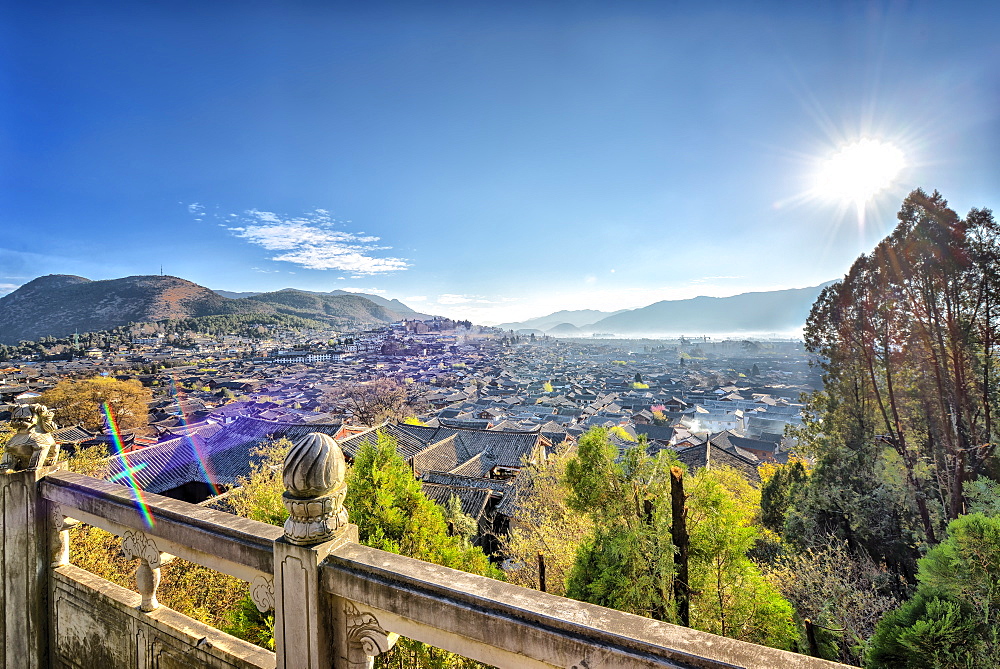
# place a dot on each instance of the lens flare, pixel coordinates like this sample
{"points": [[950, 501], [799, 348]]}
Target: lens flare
{"points": [[128, 472], [859, 171]]}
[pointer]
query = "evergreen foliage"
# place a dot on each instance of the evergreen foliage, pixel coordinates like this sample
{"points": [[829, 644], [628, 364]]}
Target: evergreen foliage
{"points": [[953, 619], [393, 514], [250, 325], [776, 494]]}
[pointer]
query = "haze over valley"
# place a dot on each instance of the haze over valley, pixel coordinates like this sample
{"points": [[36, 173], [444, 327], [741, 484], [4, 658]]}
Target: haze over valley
{"points": [[60, 305]]}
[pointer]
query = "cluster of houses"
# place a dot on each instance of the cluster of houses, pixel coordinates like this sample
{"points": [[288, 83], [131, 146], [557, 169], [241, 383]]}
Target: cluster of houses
{"points": [[490, 405]]}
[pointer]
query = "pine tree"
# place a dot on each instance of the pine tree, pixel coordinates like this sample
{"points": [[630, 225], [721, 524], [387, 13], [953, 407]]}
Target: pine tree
{"points": [[953, 619]]}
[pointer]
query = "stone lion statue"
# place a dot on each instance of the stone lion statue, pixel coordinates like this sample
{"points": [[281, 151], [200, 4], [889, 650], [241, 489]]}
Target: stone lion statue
{"points": [[30, 447]]}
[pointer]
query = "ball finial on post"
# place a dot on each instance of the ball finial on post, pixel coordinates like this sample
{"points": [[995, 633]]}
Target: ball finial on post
{"points": [[314, 475]]}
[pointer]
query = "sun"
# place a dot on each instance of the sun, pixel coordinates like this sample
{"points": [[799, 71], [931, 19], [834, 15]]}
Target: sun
{"points": [[859, 171]]}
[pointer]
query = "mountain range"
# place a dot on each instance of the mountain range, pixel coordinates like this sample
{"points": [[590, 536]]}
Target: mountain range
{"points": [[58, 305], [777, 311], [578, 317], [392, 305]]}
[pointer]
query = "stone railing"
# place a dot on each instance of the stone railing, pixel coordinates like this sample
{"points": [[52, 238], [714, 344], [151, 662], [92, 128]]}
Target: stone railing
{"points": [[337, 603]]}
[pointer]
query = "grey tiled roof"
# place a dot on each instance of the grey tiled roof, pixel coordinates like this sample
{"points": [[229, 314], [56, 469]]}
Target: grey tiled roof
{"points": [[445, 455], [444, 478], [173, 463], [475, 467], [710, 455], [727, 441], [220, 459], [466, 424], [68, 435], [730, 442], [655, 432], [473, 500]]}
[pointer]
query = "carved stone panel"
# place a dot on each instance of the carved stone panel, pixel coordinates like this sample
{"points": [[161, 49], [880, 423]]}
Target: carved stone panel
{"points": [[262, 593], [365, 637], [147, 574], [138, 545]]}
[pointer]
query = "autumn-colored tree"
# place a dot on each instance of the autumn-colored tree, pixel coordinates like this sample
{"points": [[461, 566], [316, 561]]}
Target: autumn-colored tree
{"points": [[373, 402], [6, 432], [79, 402]]}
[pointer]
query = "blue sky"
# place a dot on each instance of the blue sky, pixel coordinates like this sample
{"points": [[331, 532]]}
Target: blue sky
{"points": [[496, 161]]}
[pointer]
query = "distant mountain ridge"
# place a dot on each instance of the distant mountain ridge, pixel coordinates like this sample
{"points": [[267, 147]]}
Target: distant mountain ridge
{"points": [[577, 317], [757, 312], [59, 304], [393, 305]]}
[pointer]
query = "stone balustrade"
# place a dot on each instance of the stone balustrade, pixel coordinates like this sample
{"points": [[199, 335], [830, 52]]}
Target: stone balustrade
{"points": [[338, 604]]}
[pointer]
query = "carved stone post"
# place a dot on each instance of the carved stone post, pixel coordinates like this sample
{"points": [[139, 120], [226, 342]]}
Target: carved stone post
{"points": [[305, 620], [147, 574], [25, 556], [59, 526]]}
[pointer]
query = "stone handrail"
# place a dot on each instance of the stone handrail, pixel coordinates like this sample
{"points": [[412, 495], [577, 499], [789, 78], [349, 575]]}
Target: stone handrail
{"points": [[221, 541], [230, 538], [510, 626], [338, 604]]}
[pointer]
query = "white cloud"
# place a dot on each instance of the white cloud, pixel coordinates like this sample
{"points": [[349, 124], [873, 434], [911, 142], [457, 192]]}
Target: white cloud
{"points": [[195, 208], [312, 241], [8, 288], [415, 298]]}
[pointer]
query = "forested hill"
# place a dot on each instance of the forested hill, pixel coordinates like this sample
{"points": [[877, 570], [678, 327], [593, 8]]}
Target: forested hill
{"points": [[58, 305], [343, 309], [392, 305]]}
